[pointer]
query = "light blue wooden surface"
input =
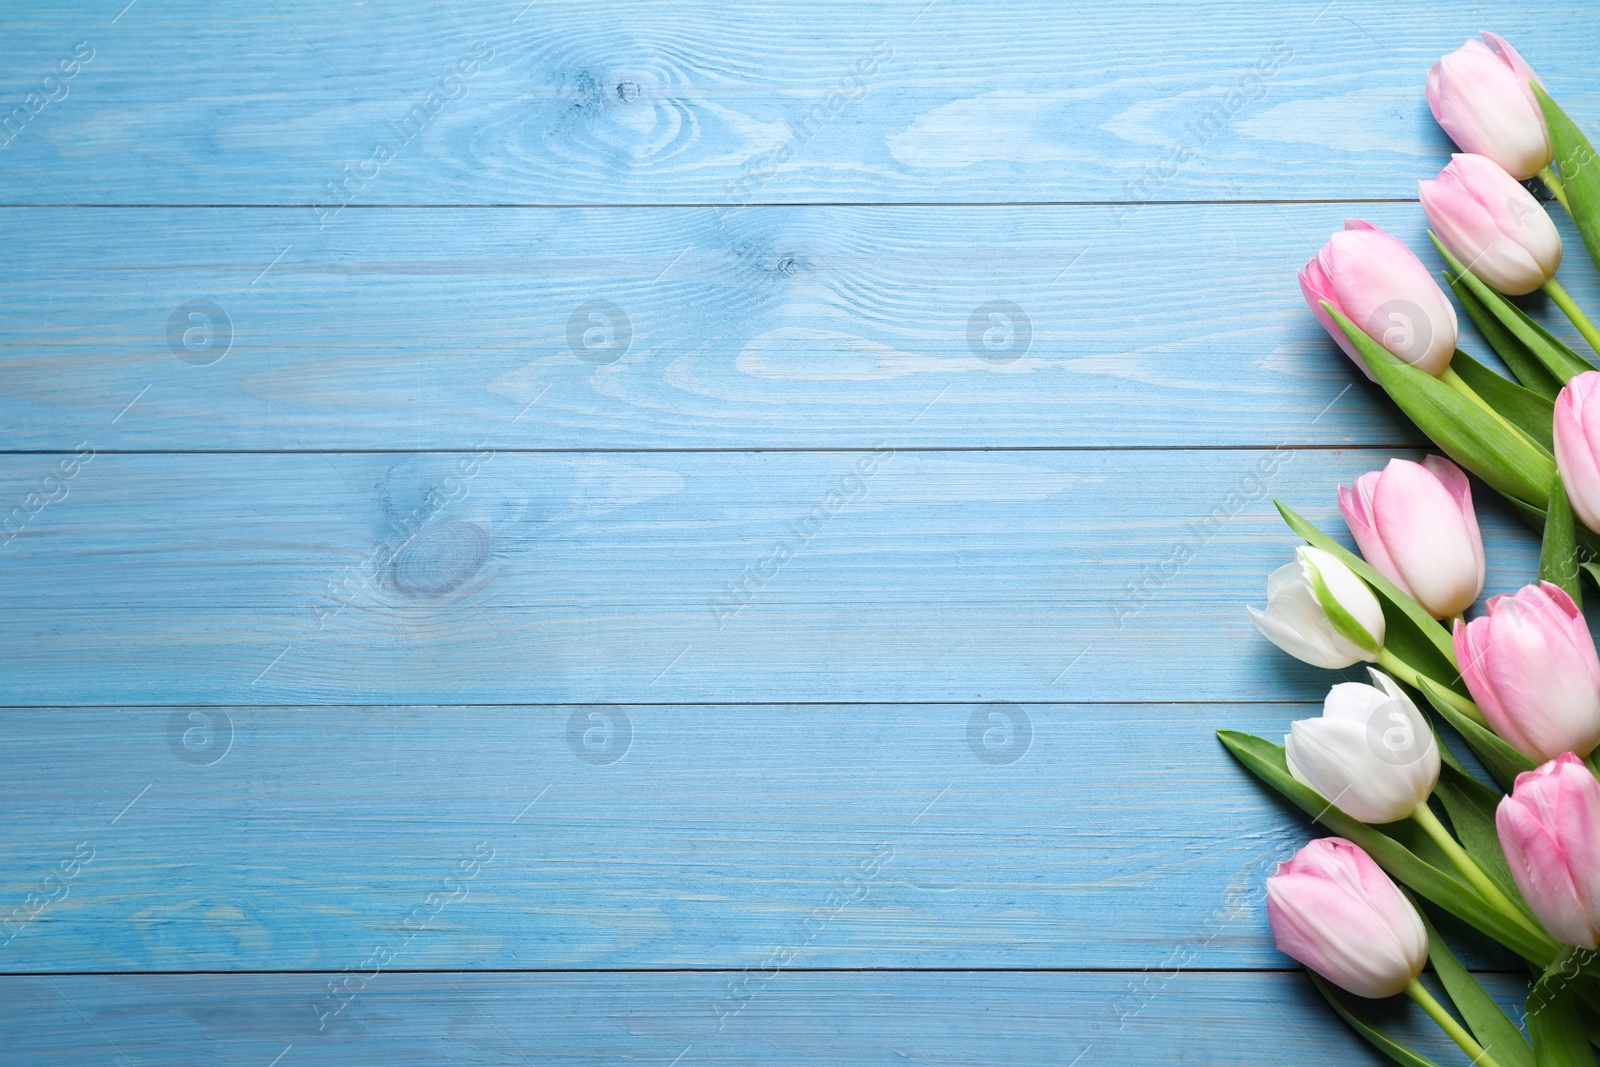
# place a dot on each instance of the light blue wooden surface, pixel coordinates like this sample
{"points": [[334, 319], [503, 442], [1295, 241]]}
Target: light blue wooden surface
{"points": [[787, 328], [873, 1017], [396, 622]]}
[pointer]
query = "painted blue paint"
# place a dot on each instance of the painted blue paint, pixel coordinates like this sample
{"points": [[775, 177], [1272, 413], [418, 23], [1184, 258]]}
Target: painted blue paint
{"points": [[686, 577], [787, 327], [704, 103], [837, 1018], [549, 507]]}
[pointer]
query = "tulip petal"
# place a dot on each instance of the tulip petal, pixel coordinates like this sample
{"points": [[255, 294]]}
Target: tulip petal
{"points": [[1470, 227], [1472, 654], [1486, 107], [1355, 504], [1511, 56], [1531, 665], [1339, 761], [1540, 871], [1334, 910], [1354, 617], [1427, 537], [1352, 702], [1575, 451], [1275, 628], [1315, 288], [1455, 482], [1385, 289]]}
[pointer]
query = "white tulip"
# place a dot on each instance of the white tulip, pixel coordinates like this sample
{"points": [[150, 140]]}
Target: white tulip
{"points": [[1333, 626], [1371, 754]]}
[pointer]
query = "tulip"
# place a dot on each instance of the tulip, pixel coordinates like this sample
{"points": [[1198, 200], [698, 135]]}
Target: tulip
{"points": [[1531, 666], [1320, 612], [1492, 224], [1377, 283], [1479, 93], [1415, 524], [1577, 440], [1371, 754], [1333, 909], [1550, 831]]}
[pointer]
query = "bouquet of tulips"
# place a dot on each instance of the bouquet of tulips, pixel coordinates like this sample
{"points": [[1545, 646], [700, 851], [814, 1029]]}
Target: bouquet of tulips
{"points": [[1518, 685]]}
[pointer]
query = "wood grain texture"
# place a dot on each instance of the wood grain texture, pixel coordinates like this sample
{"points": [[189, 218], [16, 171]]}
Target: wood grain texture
{"points": [[665, 577], [695, 102], [785, 328], [826, 1018], [590, 836], [508, 512]]}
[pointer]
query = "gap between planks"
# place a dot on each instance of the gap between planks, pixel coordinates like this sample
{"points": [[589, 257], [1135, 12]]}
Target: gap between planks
{"points": [[830, 450], [533, 206], [699, 970]]}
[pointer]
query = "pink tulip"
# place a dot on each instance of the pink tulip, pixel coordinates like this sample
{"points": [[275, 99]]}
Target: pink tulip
{"points": [[1377, 283], [1479, 93], [1492, 224], [1550, 831], [1531, 666], [1415, 524], [1335, 911], [1577, 434]]}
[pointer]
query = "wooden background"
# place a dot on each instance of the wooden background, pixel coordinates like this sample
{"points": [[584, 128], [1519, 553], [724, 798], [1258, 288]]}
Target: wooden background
{"points": [[800, 665]]}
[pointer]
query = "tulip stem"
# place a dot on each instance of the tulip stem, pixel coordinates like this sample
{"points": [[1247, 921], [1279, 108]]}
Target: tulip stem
{"points": [[1553, 183], [1447, 1022], [1592, 761], [1411, 676], [1425, 818], [1570, 308]]}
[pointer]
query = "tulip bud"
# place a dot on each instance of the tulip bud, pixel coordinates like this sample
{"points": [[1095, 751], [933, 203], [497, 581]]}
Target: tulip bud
{"points": [[1550, 831], [1377, 283], [1415, 525], [1335, 911], [1577, 440], [1320, 612], [1371, 754], [1492, 224], [1479, 93], [1531, 666]]}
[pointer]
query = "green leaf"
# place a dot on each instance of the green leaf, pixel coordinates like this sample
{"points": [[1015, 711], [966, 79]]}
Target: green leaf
{"points": [[1550, 339], [1558, 555], [1561, 361], [1471, 436], [1575, 161], [1522, 408], [1588, 540], [1446, 756], [1533, 374], [1488, 1022], [1559, 1039], [1266, 761], [1502, 761], [1592, 570], [1471, 806], [1381, 1041], [1413, 634], [1348, 626]]}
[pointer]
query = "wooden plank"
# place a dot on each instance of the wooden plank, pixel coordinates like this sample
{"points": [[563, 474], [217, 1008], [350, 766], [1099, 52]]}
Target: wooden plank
{"points": [[289, 103], [663, 577], [790, 327], [826, 1018], [944, 835]]}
